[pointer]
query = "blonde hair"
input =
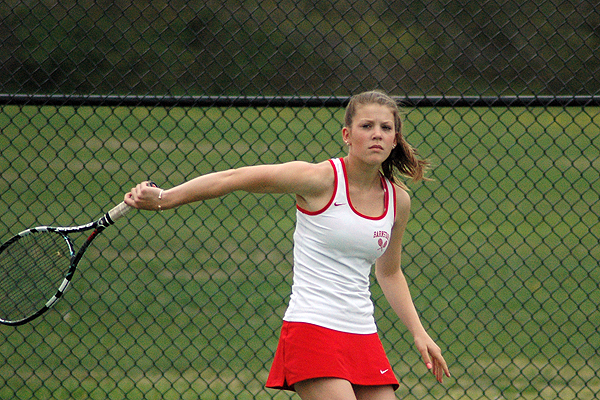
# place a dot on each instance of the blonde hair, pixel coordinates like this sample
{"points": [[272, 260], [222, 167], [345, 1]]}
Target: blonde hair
{"points": [[404, 158]]}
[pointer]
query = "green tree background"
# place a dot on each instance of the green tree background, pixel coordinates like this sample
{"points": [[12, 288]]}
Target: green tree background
{"points": [[215, 47]]}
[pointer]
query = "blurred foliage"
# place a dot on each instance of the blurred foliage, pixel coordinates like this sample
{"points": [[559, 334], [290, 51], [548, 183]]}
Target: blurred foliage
{"points": [[318, 47]]}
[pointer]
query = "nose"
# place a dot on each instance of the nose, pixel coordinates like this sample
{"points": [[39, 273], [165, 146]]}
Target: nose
{"points": [[377, 132]]}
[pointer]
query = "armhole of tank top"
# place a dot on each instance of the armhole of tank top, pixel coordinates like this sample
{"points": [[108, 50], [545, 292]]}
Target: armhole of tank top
{"points": [[394, 199], [335, 189]]}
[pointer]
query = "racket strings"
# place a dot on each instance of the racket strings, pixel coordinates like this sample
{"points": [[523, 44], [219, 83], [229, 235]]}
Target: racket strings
{"points": [[32, 268]]}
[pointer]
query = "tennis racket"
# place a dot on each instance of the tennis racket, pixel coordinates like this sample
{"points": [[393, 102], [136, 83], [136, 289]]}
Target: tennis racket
{"points": [[37, 266]]}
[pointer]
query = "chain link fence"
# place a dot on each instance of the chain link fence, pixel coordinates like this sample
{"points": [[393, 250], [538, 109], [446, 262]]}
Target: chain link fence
{"points": [[501, 251]]}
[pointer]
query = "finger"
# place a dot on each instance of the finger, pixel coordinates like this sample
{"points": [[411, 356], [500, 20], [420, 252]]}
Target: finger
{"points": [[441, 369], [136, 193], [447, 370], [127, 199], [136, 189], [439, 373], [426, 358], [142, 190], [147, 184]]}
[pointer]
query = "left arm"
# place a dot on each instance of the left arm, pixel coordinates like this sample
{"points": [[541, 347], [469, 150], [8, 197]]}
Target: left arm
{"points": [[395, 288]]}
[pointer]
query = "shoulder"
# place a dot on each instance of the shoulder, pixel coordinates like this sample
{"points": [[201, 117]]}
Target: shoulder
{"points": [[323, 168], [315, 175], [296, 177], [316, 184]]}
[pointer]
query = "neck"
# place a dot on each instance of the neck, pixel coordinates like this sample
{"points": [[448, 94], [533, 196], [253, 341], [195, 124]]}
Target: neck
{"points": [[361, 174]]}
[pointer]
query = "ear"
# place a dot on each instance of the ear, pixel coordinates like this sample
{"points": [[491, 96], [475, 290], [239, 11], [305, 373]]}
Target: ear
{"points": [[346, 135]]}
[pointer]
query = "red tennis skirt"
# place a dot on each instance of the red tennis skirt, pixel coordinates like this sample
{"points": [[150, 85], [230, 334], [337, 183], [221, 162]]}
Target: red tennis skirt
{"points": [[307, 351]]}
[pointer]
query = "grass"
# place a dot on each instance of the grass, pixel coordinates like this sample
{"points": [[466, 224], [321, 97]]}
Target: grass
{"points": [[501, 251]]}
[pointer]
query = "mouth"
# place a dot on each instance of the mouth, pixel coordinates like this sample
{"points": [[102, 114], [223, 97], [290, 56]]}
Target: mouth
{"points": [[376, 147]]}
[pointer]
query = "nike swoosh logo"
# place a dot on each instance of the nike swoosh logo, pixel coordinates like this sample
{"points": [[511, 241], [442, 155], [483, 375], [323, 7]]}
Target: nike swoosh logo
{"points": [[338, 204], [383, 371]]}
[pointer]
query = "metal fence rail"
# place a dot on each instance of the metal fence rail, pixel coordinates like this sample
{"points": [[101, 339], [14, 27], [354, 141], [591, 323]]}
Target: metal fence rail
{"points": [[501, 250]]}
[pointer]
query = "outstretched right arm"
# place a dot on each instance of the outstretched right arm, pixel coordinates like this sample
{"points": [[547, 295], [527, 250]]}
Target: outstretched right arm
{"points": [[310, 182]]}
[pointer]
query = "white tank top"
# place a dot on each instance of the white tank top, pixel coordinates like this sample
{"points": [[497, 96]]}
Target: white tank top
{"points": [[334, 251]]}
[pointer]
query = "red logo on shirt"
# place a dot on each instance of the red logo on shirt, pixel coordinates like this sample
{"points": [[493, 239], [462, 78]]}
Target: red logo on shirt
{"points": [[384, 237]]}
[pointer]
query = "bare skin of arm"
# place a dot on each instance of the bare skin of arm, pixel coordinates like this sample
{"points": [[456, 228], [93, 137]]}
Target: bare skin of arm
{"points": [[311, 183], [395, 288]]}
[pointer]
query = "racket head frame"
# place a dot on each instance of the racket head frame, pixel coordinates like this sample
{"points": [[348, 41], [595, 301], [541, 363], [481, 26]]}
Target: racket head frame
{"points": [[99, 225], [64, 284]]}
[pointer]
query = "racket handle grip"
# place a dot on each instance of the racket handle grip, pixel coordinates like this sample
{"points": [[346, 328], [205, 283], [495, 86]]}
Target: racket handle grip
{"points": [[117, 212]]}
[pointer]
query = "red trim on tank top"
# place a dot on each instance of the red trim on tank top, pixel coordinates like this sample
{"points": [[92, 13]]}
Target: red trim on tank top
{"points": [[394, 197], [386, 201], [335, 186]]}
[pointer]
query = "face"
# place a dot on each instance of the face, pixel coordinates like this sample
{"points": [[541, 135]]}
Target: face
{"points": [[372, 135]]}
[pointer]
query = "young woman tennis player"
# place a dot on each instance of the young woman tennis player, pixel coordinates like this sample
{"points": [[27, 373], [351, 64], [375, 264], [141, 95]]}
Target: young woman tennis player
{"points": [[351, 214]]}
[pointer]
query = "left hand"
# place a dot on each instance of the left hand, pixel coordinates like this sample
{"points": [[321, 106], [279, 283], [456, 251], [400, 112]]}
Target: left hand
{"points": [[432, 356]]}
